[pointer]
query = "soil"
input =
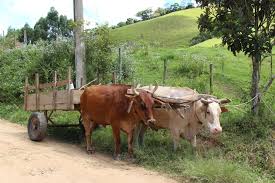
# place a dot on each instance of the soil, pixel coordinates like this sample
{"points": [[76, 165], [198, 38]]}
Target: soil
{"points": [[22, 160]]}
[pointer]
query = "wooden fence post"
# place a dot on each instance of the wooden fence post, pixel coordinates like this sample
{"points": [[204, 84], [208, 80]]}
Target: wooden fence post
{"points": [[164, 71], [211, 78], [69, 88], [26, 93], [120, 65], [54, 90], [37, 91], [114, 78]]}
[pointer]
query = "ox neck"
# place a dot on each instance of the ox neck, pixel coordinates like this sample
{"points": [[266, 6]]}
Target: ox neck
{"points": [[195, 113]]}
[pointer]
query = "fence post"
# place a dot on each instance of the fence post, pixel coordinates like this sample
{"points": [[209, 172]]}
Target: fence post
{"points": [[211, 78], [114, 78], [271, 69], [164, 71], [120, 65], [37, 91]]}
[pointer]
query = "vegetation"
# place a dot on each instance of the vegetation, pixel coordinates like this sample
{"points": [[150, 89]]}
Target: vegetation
{"points": [[246, 27], [245, 150]]}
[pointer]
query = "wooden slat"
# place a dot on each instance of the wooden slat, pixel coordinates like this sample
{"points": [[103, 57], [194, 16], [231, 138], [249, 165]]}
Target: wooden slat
{"points": [[76, 96], [46, 101], [54, 90], [37, 92], [68, 90], [49, 85], [26, 93]]}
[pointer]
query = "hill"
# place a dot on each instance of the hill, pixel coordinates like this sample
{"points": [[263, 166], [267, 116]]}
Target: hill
{"points": [[172, 30]]}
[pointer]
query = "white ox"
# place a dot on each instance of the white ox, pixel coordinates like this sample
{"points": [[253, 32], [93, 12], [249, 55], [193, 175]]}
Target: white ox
{"points": [[189, 112]]}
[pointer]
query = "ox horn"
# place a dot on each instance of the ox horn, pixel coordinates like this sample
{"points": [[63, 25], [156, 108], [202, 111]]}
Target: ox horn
{"points": [[155, 89], [135, 92], [206, 96], [224, 101]]}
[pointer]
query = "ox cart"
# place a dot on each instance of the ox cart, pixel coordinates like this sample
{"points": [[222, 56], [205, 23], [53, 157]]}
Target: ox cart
{"points": [[44, 99]]}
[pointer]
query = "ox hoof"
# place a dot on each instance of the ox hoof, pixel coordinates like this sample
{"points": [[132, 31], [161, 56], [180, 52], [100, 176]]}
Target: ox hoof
{"points": [[91, 150], [117, 157]]}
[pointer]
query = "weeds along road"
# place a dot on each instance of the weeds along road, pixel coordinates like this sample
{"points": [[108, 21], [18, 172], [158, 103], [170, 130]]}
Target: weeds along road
{"points": [[22, 160]]}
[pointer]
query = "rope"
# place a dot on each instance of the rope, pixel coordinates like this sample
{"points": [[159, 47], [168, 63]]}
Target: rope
{"points": [[237, 105], [268, 107]]}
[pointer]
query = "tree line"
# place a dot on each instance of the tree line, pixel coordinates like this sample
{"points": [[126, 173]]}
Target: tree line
{"points": [[148, 14]]}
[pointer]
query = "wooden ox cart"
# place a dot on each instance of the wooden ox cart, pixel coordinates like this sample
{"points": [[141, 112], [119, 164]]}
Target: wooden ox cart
{"points": [[44, 99]]}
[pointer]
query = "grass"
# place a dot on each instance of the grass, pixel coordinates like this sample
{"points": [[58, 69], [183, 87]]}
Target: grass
{"points": [[245, 151], [172, 30]]}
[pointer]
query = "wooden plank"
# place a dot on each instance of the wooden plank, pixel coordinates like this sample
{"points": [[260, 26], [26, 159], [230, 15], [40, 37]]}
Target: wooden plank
{"points": [[54, 90], [76, 96], [46, 101], [69, 90], [37, 92], [26, 93], [49, 85]]}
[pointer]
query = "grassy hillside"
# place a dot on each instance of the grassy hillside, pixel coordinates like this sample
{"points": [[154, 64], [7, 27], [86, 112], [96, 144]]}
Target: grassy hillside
{"points": [[172, 30]]}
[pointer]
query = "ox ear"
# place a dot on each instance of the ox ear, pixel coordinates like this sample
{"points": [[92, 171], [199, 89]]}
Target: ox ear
{"points": [[224, 109], [224, 101]]}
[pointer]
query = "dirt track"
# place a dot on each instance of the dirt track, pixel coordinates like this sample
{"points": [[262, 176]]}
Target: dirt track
{"points": [[22, 160]]}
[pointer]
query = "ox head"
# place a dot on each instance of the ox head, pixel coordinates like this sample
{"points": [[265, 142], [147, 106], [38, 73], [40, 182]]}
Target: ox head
{"points": [[142, 103], [208, 112]]}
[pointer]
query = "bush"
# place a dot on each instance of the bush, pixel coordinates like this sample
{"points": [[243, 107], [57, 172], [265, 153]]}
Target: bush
{"points": [[203, 36], [43, 58]]}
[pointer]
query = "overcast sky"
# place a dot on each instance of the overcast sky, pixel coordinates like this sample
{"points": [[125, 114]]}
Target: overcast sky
{"points": [[16, 13]]}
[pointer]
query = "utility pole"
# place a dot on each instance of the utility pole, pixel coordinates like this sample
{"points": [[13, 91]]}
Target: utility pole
{"points": [[79, 44]]}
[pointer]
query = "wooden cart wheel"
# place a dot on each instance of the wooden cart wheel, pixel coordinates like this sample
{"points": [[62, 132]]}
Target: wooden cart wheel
{"points": [[37, 126]]}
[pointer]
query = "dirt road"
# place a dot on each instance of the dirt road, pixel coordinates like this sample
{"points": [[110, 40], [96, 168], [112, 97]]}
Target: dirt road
{"points": [[22, 160]]}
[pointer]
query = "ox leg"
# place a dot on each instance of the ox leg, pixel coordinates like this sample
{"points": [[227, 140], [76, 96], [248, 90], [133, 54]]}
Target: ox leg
{"points": [[130, 143], [194, 142], [116, 135], [176, 138], [88, 128], [139, 134]]}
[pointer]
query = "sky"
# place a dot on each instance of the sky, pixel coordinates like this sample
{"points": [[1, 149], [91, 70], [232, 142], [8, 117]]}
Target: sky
{"points": [[16, 13]]}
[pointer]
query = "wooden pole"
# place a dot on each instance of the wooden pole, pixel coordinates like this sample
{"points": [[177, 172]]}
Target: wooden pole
{"points": [[25, 37], [211, 78], [26, 94], [164, 71], [69, 88], [120, 65], [271, 69], [54, 90], [79, 44], [37, 92], [114, 78]]}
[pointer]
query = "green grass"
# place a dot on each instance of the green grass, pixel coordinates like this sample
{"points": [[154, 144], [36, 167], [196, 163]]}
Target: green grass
{"points": [[172, 30]]}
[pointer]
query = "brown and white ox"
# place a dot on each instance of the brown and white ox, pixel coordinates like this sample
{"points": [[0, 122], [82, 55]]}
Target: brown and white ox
{"points": [[111, 105], [186, 122]]}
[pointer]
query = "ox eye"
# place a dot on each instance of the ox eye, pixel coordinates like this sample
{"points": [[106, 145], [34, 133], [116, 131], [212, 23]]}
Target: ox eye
{"points": [[143, 106], [208, 112]]}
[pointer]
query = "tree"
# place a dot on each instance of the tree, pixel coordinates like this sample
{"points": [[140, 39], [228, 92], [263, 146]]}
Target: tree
{"points": [[245, 26], [121, 24], [98, 52], [29, 32], [130, 21], [145, 14], [159, 12], [52, 26], [174, 7]]}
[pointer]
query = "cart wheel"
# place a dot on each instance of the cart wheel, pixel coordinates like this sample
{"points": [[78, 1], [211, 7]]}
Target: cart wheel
{"points": [[37, 126]]}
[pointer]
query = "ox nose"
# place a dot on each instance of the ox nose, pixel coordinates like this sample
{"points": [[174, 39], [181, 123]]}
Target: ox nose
{"points": [[217, 130], [152, 121]]}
